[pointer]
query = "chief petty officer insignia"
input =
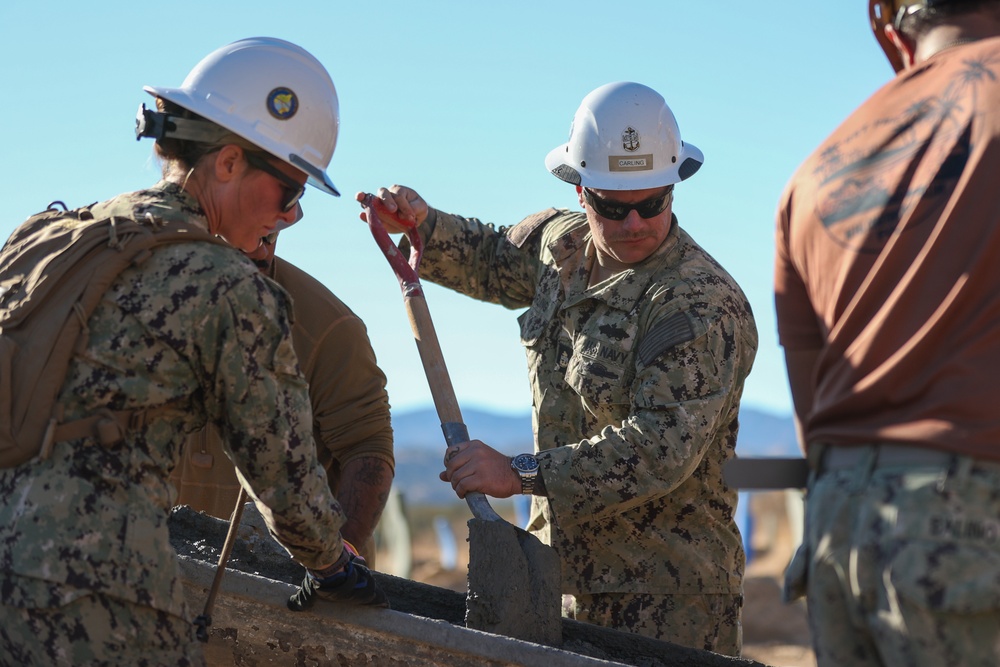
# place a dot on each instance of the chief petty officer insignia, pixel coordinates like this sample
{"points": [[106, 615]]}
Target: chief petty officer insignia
{"points": [[630, 139]]}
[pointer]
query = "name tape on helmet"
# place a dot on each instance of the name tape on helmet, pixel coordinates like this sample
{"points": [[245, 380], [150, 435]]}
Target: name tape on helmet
{"points": [[630, 162]]}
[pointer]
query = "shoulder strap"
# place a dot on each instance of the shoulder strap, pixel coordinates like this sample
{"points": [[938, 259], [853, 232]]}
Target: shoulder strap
{"points": [[54, 270], [523, 230]]}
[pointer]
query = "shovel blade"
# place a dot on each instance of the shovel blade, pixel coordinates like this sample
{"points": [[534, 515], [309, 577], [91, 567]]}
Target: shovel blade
{"points": [[514, 584]]}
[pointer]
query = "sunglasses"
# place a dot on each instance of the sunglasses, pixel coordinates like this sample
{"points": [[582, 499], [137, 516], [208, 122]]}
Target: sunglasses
{"points": [[293, 189], [616, 210]]}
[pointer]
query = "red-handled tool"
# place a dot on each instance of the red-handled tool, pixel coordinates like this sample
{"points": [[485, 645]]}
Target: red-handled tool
{"points": [[442, 390], [514, 579]]}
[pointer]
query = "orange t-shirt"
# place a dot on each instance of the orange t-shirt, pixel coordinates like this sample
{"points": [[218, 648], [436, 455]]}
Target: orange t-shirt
{"points": [[888, 261]]}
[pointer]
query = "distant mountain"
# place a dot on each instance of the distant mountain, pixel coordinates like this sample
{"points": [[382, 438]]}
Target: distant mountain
{"points": [[420, 444], [421, 429], [761, 433], [765, 434]]}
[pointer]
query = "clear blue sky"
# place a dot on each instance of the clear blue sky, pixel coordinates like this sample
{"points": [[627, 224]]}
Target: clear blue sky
{"points": [[460, 100]]}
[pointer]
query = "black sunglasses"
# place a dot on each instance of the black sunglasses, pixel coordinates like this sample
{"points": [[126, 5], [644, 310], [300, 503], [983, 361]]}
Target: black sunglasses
{"points": [[616, 210], [293, 189]]}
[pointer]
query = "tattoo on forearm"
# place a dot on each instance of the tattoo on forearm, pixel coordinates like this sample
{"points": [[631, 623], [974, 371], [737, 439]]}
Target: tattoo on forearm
{"points": [[364, 491]]}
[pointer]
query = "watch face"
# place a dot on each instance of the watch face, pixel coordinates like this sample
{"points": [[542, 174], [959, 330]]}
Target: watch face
{"points": [[525, 463]]}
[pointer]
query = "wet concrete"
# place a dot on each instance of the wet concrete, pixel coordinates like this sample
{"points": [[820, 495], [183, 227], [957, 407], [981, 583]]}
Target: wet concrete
{"points": [[513, 585], [426, 626]]}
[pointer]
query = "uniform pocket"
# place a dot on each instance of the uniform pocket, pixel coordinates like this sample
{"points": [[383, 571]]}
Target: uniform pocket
{"points": [[948, 577], [945, 543], [598, 373]]}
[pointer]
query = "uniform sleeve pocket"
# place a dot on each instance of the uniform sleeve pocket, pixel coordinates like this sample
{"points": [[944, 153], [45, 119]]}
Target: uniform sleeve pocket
{"points": [[539, 315], [284, 360], [532, 325]]}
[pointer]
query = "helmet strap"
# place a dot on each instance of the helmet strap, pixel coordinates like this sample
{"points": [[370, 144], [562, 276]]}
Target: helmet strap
{"points": [[159, 125]]}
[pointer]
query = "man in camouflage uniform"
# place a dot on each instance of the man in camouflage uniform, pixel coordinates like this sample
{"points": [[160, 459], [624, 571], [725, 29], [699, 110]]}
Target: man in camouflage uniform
{"points": [[193, 334], [638, 345], [887, 294]]}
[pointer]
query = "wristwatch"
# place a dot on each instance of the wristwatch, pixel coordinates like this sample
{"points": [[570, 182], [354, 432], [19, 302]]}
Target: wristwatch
{"points": [[525, 465]]}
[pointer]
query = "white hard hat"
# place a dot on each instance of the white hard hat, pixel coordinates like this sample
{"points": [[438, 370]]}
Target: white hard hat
{"points": [[624, 137], [272, 93]]}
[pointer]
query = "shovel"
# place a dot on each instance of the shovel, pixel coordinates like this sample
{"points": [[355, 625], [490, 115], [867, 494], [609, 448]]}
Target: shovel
{"points": [[204, 620], [514, 579]]}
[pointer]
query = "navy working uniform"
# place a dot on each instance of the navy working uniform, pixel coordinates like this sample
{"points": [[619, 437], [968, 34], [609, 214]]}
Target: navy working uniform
{"points": [[198, 333], [636, 387]]}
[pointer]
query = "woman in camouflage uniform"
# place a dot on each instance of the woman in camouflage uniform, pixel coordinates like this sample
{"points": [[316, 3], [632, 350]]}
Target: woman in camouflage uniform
{"points": [[194, 334]]}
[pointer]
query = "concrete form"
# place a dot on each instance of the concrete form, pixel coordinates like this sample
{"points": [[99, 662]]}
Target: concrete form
{"points": [[251, 625]]}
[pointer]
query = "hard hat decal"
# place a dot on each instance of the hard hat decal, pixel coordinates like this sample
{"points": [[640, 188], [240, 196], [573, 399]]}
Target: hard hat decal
{"points": [[282, 103], [630, 139], [630, 162], [296, 122]]}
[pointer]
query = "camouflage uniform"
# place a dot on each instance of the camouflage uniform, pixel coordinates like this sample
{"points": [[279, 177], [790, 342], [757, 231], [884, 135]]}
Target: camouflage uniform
{"points": [[197, 332], [636, 388], [351, 419], [902, 561], [887, 297], [97, 631]]}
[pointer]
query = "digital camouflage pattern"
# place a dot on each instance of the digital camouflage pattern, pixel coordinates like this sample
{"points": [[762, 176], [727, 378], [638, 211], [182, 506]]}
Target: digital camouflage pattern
{"points": [[350, 408], [98, 630], [903, 565], [636, 387], [708, 622], [886, 295], [196, 330]]}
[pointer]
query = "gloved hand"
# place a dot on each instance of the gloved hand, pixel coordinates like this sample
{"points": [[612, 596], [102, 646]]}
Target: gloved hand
{"points": [[354, 585], [354, 552]]}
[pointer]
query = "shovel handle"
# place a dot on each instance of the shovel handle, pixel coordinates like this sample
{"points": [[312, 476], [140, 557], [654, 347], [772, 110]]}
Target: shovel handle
{"points": [[428, 345], [205, 619], [442, 391]]}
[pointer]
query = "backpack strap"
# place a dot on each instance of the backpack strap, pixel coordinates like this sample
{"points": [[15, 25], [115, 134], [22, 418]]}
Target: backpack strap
{"points": [[107, 426], [54, 270]]}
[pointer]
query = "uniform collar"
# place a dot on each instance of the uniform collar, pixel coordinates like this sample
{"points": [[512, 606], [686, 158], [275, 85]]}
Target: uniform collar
{"points": [[180, 203], [574, 256]]}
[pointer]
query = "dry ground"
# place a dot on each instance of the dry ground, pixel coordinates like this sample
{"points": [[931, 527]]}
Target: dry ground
{"points": [[774, 633]]}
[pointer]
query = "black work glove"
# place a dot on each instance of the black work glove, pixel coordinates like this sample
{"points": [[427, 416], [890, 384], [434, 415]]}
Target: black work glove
{"points": [[355, 585]]}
